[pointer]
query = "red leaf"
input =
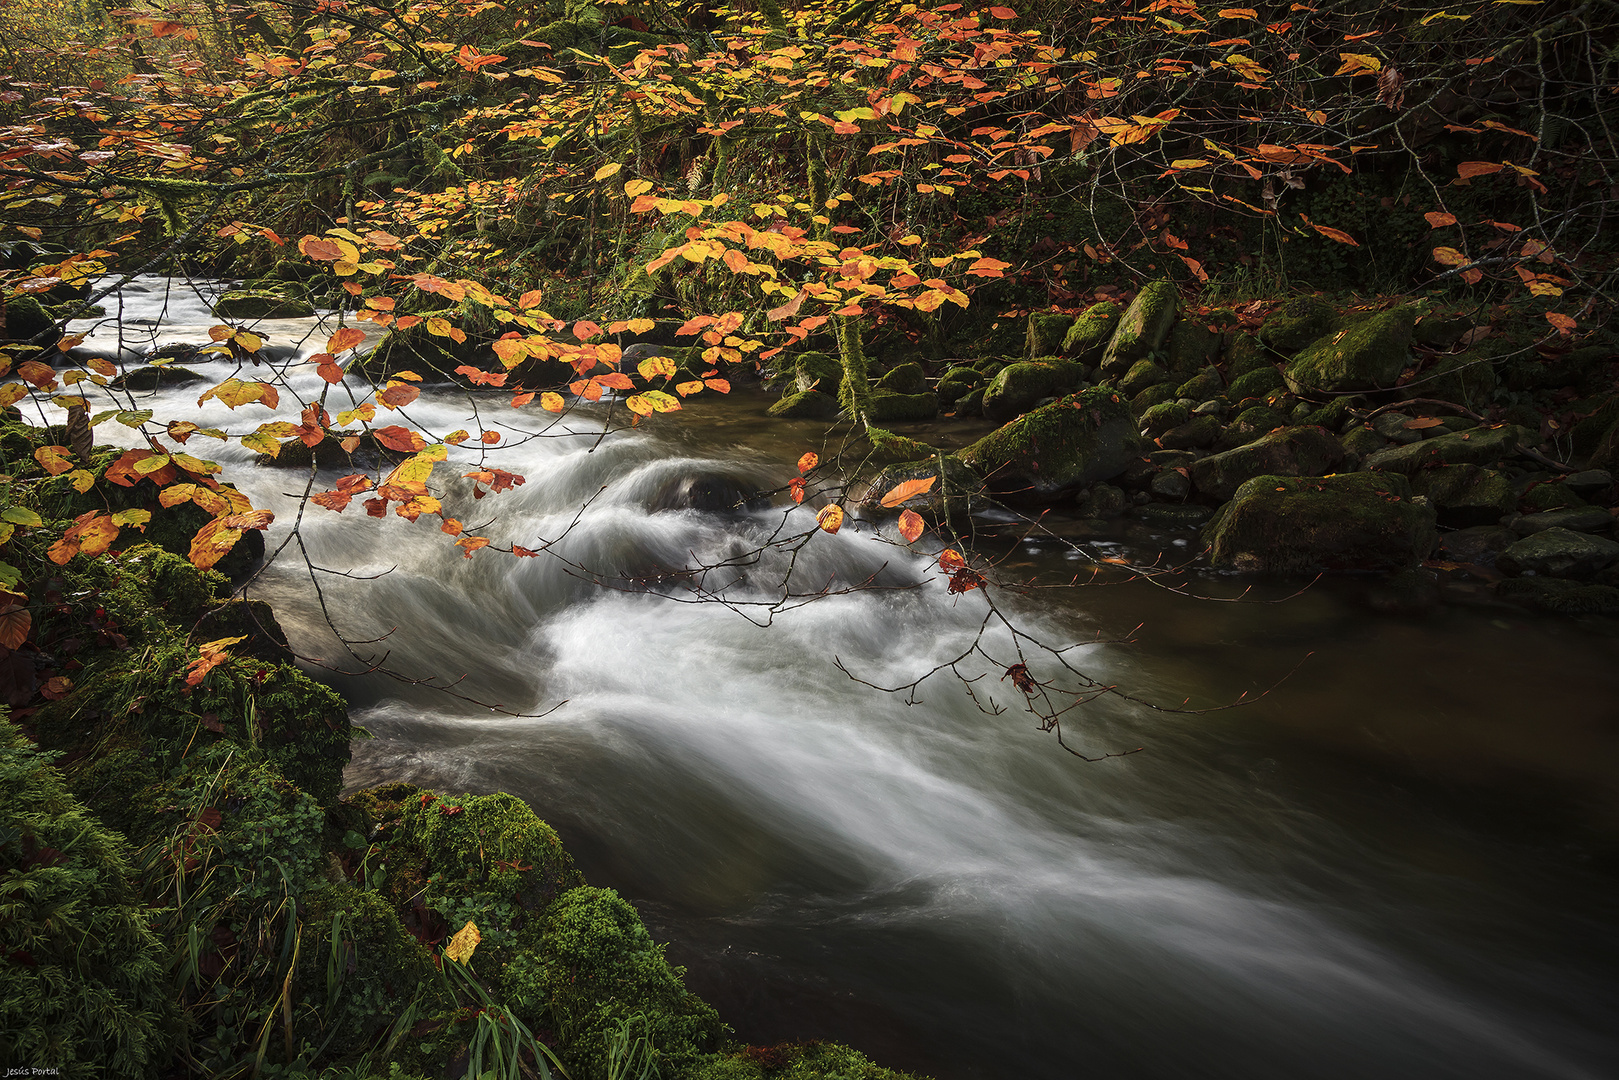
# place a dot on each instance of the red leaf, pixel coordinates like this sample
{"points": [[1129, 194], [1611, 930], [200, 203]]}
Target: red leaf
{"points": [[399, 438]]}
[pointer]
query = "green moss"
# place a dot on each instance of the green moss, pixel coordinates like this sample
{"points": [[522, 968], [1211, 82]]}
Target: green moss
{"points": [[887, 407], [1142, 328], [1466, 495], [1467, 379], [1543, 497], [805, 405], [1283, 524], [904, 379], [1332, 416], [24, 317], [1480, 446], [1069, 444], [1292, 451], [1201, 387], [1200, 432], [1256, 383], [1368, 354], [1160, 418], [1142, 374], [1560, 597], [1018, 388], [85, 991], [243, 304], [597, 968], [1297, 323], [1191, 346], [1087, 338], [1151, 397], [793, 1061], [818, 371], [1244, 353], [1047, 332]]}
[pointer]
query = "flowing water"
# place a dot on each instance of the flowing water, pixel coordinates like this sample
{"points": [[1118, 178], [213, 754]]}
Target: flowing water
{"points": [[1398, 862]]}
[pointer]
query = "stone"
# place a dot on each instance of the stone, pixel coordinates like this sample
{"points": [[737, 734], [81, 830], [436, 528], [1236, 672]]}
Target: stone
{"points": [[1245, 353], [1477, 545], [1589, 482], [151, 377], [957, 493], [1295, 451], [1046, 333], [1368, 354], [24, 317], [1142, 328], [1560, 553], [1362, 440], [1102, 501], [1142, 374], [1466, 495], [1160, 418], [817, 371], [1212, 407], [904, 379], [242, 304], [1069, 444], [1200, 433], [1441, 331], [1297, 323], [1204, 385], [1480, 446], [1188, 517], [1585, 519], [1391, 425], [888, 407], [1256, 383], [1352, 521], [806, 405], [1171, 485], [957, 382], [971, 403], [1190, 346], [1560, 596], [1466, 378], [1250, 424], [1157, 394], [1087, 338], [1020, 387]]}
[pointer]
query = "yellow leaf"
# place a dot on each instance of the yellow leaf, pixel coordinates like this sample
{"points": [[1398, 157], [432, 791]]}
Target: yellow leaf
{"points": [[830, 519], [601, 174], [466, 939], [637, 187]]}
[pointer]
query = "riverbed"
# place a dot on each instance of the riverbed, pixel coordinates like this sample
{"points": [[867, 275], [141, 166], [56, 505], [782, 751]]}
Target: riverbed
{"points": [[1398, 860]]}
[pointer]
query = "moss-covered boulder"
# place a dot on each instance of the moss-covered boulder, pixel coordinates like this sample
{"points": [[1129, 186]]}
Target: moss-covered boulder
{"points": [[1297, 323], [1204, 385], [1152, 396], [1249, 424], [1351, 521], [1294, 451], [1466, 378], [1061, 447], [794, 1061], [1017, 388], [1560, 596], [817, 371], [1551, 496], [153, 376], [957, 491], [906, 378], [1466, 495], [1257, 383], [22, 317], [1046, 333], [806, 405], [1087, 338], [1369, 353], [1479, 446], [246, 304], [887, 407], [1190, 346], [1574, 518], [1142, 328], [85, 989], [1560, 553], [1142, 374], [596, 969], [1161, 418], [955, 383], [1244, 353], [1198, 433]]}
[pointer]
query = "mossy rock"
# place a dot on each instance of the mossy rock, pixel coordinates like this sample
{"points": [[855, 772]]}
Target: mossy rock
{"points": [[1204, 385], [1544, 497], [244, 304], [888, 407], [1047, 330], [1142, 328], [1351, 521], [1362, 441], [1256, 383], [1057, 448], [1479, 446], [1087, 338], [1191, 346], [153, 376], [86, 990], [1244, 353], [294, 270], [957, 382], [1368, 354], [1559, 596], [1559, 553], [956, 493], [1142, 374], [1160, 418], [596, 967], [793, 1061], [817, 371], [1466, 378], [1332, 416], [971, 403], [1466, 495], [1151, 397], [806, 405], [24, 317], [1254, 421], [1297, 323], [1017, 388], [1196, 434], [1294, 451], [904, 379]]}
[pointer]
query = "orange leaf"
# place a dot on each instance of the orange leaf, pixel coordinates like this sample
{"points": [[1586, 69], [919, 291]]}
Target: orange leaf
{"points": [[1438, 220], [795, 488], [1565, 325], [1449, 256], [808, 462], [1422, 422], [906, 490], [830, 519], [399, 438], [399, 395], [346, 338], [910, 526], [584, 329], [1469, 169], [950, 560]]}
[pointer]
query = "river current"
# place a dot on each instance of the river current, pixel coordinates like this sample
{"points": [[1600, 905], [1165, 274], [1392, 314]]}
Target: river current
{"points": [[1399, 861]]}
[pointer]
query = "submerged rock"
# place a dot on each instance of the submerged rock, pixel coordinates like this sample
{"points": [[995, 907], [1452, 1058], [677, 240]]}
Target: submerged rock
{"points": [[710, 492], [1352, 521], [1560, 596], [151, 377], [1084, 438], [1293, 451]]}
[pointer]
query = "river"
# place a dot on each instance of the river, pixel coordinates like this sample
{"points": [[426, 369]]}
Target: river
{"points": [[1399, 861]]}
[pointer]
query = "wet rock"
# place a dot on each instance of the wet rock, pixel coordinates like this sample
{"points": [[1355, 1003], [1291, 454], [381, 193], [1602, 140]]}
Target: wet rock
{"points": [[1204, 385], [1480, 446], [1367, 354], [1559, 596], [714, 493], [1102, 501], [1476, 546], [1466, 495], [971, 403], [1249, 425], [1020, 387], [904, 379], [1171, 485], [151, 377], [23, 317], [806, 405], [1142, 374], [817, 371], [888, 407], [1161, 418], [1362, 440], [1087, 338], [1411, 591], [243, 304], [1187, 518], [1590, 482], [1467, 379], [1190, 346], [1391, 425], [1559, 553], [956, 382], [1151, 396], [1585, 519], [1245, 353], [1297, 323], [1257, 383], [957, 492], [1361, 521], [1295, 451], [1079, 440], [1046, 333], [1142, 328]]}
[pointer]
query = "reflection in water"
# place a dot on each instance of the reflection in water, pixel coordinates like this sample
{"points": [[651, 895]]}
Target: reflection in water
{"points": [[1294, 889]]}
